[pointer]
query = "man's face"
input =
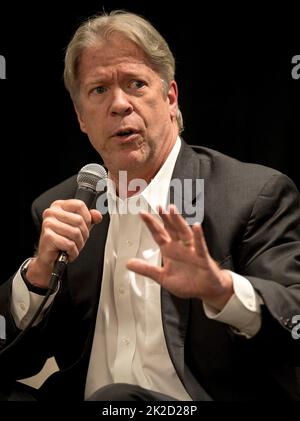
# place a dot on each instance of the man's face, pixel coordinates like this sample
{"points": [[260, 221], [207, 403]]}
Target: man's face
{"points": [[123, 108]]}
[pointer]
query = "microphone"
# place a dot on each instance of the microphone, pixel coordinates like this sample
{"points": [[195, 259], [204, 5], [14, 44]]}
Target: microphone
{"points": [[87, 179]]}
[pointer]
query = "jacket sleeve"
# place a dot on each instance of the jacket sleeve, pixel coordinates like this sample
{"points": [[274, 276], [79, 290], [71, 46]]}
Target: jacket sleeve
{"points": [[270, 259], [58, 329], [31, 347]]}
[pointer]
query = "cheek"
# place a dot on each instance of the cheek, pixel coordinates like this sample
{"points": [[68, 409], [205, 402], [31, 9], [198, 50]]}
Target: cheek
{"points": [[94, 131], [94, 123], [157, 110], [99, 145]]}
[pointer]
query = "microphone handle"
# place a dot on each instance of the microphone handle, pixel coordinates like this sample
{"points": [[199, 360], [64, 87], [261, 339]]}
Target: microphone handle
{"points": [[58, 271], [87, 195]]}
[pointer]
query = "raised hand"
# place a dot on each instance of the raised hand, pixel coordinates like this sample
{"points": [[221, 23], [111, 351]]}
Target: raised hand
{"points": [[188, 270]]}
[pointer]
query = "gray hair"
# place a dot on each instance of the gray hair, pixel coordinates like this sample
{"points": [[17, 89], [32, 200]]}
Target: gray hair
{"points": [[133, 27]]}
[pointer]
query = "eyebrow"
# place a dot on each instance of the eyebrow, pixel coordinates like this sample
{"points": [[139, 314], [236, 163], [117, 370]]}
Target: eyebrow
{"points": [[103, 78]]}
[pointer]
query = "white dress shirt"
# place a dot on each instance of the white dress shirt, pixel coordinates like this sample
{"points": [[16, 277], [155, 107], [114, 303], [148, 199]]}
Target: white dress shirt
{"points": [[129, 344]]}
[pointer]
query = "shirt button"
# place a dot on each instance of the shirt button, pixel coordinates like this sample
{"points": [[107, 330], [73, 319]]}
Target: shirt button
{"points": [[129, 243], [125, 341], [121, 290], [22, 306]]}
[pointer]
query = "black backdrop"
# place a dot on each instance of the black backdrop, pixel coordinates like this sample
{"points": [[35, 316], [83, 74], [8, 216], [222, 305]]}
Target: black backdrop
{"points": [[236, 89]]}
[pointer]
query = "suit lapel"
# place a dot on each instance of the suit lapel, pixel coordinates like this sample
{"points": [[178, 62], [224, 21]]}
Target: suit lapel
{"points": [[86, 271], [175, 311]]}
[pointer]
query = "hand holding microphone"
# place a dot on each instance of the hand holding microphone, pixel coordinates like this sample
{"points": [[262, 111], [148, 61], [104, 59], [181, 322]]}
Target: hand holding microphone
{"points": [[65, 229]]}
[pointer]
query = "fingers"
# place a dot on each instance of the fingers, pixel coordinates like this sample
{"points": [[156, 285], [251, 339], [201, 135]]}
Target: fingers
{"points": [[51, 243], [145, 269], [199, 241], [168, 223], [74, 212], [65, 227], [157, 230], [96, 216], [56, 217], [176, 229], [73, 206], [175, 224], [79, 234]]}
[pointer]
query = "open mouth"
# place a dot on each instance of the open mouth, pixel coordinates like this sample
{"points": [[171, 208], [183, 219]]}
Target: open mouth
{"points": [[125, 133]]}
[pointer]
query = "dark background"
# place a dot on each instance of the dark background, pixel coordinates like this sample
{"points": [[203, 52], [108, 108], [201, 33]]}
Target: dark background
{"points": [[236, 91]]}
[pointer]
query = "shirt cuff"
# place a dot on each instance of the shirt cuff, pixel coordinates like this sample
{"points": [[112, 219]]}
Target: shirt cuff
{"points": [[242, 312], [25, 303]]}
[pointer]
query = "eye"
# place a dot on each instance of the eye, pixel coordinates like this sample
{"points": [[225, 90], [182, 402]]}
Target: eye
{"points": [[99, 90], [136, 84]]}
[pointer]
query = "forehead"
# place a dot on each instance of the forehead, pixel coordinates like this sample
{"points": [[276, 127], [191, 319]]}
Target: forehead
{"points": [[116, 51]]}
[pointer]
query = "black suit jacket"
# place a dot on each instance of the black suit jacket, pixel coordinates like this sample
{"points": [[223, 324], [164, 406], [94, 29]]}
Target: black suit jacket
{"points": [[252, 226]]}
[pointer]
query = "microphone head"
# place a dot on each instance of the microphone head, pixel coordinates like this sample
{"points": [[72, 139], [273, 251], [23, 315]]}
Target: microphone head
{"points": [[90, 175]]}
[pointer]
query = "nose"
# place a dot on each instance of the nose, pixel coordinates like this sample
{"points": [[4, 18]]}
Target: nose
{"points": [[120, 104]]}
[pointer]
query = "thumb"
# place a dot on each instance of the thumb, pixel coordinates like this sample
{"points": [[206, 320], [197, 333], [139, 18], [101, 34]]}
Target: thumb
{"points": [[96, 216]]}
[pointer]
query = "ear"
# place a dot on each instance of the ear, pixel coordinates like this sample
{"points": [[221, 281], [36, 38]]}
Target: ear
{"points": [[80, 118], [173, 99]]}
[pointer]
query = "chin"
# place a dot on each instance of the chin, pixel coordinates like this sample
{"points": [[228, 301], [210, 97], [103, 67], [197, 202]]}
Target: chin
{"points": [[135, 164], [134, 157]]}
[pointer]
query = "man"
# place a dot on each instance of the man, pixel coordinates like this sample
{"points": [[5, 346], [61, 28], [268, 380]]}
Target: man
{"points": [[151, 308]]}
